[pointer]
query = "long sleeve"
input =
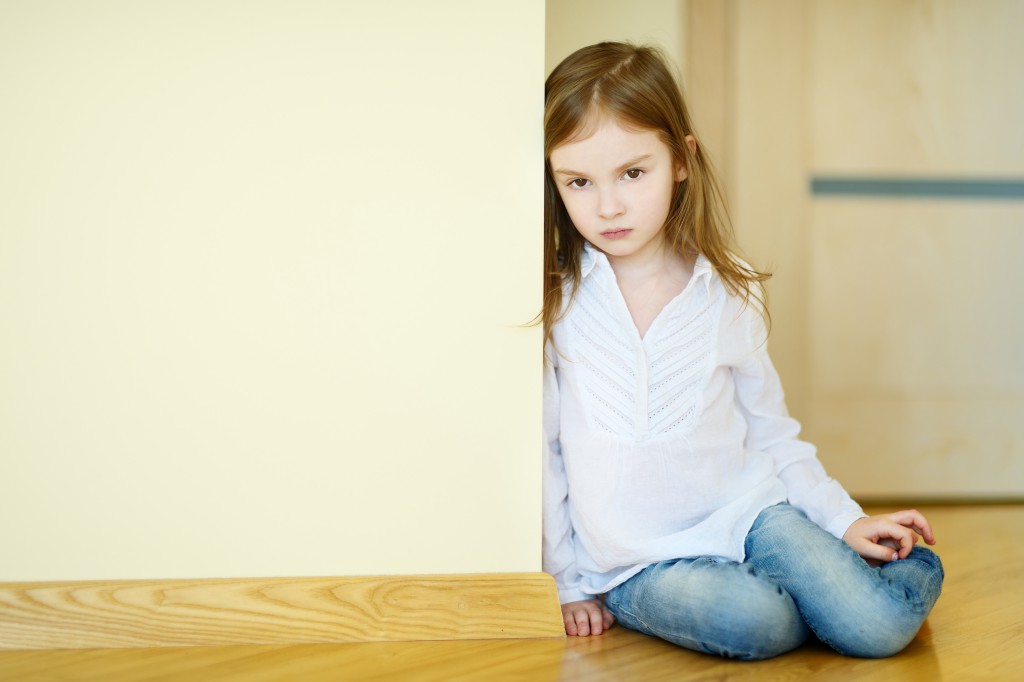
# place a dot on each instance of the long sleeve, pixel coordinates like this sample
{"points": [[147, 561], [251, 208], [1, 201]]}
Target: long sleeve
{"points": [[559, 558], [770, 429]]}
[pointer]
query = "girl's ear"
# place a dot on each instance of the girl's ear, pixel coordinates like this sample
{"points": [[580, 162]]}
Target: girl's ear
{"points": [[691, 142]]}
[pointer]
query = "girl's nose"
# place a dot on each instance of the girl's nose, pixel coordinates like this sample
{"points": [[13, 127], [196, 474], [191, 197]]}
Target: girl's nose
{"points": [[610, 204]]}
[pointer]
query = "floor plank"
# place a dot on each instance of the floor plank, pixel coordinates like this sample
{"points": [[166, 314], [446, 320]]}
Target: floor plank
{"points": [[976, 632]]}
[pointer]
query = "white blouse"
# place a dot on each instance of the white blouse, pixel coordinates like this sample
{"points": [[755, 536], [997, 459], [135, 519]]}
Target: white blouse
{"points": [[666, 446]]}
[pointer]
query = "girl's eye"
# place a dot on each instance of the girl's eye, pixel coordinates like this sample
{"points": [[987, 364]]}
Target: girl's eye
{"points": [[634, 173], [579, 182]]}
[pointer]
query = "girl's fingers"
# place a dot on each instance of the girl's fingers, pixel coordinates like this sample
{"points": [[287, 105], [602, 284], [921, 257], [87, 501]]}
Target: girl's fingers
{"points": [[584, 618], [571, 618], [889, 537], [911, 535], [573, 624], [899, 537], [907, 543], [872, 550], [582, 622], [916, 520], [890, 541]]}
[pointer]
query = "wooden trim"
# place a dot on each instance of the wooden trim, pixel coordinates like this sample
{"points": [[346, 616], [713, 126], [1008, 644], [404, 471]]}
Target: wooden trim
{"points": [[129, 614]]}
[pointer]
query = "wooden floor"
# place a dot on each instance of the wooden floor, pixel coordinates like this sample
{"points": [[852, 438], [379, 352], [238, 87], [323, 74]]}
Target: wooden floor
{"points": [[976, 632]]}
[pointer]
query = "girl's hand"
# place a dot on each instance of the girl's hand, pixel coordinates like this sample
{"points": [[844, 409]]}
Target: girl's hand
{"points": [[587, 617], [875, 537]]}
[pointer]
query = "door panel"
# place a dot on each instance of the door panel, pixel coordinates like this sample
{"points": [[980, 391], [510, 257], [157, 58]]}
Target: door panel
{"points": [[899, 317]]}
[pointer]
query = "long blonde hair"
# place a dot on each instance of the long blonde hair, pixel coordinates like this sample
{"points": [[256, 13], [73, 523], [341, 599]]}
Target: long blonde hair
{"points": [[633, 85]]}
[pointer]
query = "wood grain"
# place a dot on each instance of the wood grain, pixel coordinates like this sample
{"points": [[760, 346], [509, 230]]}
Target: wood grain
{"points": [[277, 611], [974, 633]]}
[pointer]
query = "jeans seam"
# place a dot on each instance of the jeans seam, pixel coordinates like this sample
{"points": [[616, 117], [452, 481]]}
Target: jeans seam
{"points": [[641, 592]]}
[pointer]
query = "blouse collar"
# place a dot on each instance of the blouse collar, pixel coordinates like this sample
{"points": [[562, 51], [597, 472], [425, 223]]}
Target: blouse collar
{"points": [[593, 258]]}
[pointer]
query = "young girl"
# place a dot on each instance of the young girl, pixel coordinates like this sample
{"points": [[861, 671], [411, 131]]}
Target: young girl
{"points": [[678, 498]]}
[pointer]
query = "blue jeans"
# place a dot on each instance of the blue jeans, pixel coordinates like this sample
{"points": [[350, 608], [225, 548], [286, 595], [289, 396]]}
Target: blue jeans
{"points": [[797, 579]]}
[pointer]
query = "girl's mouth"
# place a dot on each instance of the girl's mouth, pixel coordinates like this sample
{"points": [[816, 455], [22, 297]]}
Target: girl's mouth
{"points": [[616, 234]]}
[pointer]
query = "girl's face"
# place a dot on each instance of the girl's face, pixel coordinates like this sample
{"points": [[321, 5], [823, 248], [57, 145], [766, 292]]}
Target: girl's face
{"points": [[617, 186]]}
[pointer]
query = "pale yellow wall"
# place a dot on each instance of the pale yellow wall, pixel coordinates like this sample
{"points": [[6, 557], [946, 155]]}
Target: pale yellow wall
{"points": [[572, 24], [261, 271]]}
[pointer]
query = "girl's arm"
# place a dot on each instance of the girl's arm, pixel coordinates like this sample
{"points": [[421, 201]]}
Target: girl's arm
{"points": [[582, 614], [559, 556], [770, 429], [885, 537]]}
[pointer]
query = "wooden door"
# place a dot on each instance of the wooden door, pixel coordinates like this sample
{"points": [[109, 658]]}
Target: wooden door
{"points": [[874, 158]]}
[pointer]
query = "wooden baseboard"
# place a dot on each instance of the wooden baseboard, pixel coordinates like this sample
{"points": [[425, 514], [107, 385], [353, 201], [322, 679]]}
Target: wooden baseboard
{"points": [[129, 614]]}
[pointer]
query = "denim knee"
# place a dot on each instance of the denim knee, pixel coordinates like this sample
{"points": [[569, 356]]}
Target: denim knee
{"points": [[711, 606], [911, 588], [766, 623], [855, 609]]}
